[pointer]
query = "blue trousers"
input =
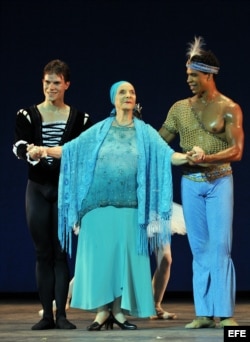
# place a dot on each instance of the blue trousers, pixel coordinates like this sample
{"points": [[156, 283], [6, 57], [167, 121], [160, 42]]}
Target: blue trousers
{"points": [[208, 213]]}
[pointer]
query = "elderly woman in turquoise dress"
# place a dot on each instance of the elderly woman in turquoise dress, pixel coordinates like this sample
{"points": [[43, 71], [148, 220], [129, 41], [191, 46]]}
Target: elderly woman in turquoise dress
{"points": [[116, 187]]}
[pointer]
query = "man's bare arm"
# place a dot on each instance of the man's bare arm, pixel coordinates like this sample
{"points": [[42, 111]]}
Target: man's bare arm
{"points": [[234, 135]]}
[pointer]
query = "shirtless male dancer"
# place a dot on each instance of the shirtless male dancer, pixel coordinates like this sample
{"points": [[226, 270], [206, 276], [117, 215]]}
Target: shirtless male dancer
{"points": [[212, 122]]}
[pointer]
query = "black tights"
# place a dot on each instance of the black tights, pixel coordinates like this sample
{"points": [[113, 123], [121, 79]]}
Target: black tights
{"points": [[52, 270]]}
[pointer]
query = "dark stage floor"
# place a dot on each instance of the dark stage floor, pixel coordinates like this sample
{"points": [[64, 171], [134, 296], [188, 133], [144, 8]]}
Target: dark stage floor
{"points": [[17, 315]]}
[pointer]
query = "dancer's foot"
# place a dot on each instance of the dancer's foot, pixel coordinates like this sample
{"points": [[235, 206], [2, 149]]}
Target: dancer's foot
{"points": [[101, 319], [44, 324], [201, 322], [161, 314], [227, 322], [124, 325], [63, 323]]}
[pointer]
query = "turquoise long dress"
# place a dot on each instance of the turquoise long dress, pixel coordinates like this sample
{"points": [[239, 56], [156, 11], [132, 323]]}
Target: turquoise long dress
{"points": [[107, 262]]}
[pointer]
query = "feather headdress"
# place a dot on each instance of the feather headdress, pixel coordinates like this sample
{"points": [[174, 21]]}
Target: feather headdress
{"points": [[195, 48]]}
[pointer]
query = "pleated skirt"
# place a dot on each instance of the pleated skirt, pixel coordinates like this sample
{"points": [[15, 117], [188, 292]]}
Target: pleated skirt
{"points": [[108, 265]]}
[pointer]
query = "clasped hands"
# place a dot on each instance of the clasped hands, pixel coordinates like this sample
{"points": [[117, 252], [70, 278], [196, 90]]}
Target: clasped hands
{"points": [[36, 152], [195, 156]]}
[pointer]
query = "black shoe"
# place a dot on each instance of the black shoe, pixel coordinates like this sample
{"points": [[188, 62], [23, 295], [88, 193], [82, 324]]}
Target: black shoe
{"points": [[95, 326], [44, 324], [63, 323], [124, 326]]}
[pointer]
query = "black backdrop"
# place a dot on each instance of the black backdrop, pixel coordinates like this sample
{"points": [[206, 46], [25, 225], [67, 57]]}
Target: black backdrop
{"points": [[104, 41]]}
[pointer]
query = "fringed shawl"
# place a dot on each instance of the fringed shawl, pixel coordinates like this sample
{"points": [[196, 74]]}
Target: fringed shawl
{"points": [[154, 178]]}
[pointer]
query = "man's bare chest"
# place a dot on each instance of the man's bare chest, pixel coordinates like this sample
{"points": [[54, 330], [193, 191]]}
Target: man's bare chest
{"points": [[210, 117]]}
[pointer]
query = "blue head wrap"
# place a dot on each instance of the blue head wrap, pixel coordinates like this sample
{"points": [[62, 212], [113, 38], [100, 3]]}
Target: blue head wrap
{"points": [[203, 67], [113, 91]]}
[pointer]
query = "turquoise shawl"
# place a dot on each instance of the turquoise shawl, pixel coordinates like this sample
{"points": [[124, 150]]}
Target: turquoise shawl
{"points": [[154, 178]]}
